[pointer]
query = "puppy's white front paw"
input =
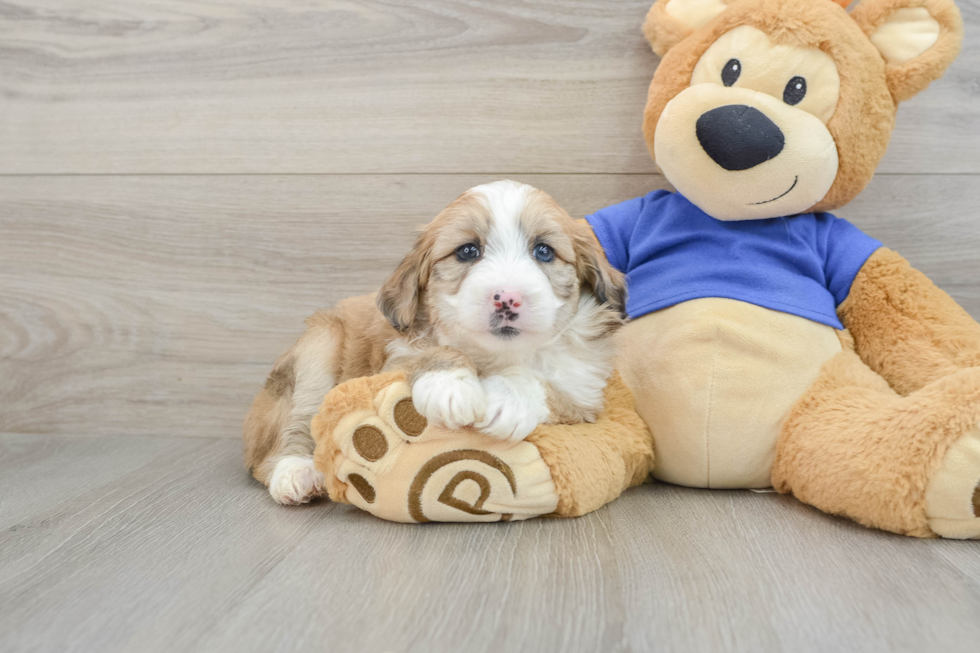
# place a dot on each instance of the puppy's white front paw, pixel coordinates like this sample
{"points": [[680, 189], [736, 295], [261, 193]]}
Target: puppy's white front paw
{"points": [[451, 398], [295, 480], [515, 407]]}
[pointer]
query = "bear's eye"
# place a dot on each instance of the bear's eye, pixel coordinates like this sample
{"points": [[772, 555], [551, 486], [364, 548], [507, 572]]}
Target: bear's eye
{"points": [[544, 253], [468, 252], [795, 91], [731, 71]]}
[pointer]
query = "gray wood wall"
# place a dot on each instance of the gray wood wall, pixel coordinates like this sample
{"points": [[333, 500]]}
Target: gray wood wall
{"points": [[182, 183]]}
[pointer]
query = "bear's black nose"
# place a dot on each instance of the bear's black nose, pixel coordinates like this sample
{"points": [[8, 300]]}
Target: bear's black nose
{"points": [[738, 137]]}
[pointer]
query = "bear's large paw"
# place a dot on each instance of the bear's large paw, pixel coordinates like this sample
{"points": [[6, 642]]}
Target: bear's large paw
{"points": [[953, 493], [389, 461]]}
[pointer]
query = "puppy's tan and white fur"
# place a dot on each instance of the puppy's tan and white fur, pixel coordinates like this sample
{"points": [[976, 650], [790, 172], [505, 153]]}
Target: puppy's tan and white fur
{"points": [[502, 316]]}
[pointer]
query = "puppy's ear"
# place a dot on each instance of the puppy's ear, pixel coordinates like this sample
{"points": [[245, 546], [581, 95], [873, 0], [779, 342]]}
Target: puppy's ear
{"points": [[608, 284], [671, 21], [918, 39], [400, 297]]}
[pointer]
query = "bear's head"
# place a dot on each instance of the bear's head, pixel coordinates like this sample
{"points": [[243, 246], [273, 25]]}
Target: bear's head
{"points": [[768, 108]]}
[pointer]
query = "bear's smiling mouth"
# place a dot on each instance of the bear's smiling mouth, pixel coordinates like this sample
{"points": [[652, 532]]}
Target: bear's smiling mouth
{"points": [[796, 180]]}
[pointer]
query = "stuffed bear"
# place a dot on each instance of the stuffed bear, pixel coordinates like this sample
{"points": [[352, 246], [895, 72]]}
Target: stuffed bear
{"points": [[770, 344]]}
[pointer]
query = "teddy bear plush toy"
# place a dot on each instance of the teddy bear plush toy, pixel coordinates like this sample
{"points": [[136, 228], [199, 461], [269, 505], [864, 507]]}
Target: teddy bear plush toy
{"points": [[770, 344]]}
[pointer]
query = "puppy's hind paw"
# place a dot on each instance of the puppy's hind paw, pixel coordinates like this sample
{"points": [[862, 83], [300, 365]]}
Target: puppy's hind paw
{"points": [[295, 481]]}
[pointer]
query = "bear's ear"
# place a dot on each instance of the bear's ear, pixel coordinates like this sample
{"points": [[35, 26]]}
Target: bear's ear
{"points": [[671, 21], [918, 39]]}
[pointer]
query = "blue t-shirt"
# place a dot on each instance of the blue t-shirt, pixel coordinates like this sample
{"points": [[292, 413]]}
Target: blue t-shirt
{"points": [[671, 252]]}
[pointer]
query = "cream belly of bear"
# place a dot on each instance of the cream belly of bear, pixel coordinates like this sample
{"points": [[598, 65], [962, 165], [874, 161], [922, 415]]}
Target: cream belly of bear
{"points": [[715, 379]]}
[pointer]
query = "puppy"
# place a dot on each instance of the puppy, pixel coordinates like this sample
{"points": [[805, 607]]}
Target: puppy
{"points": [[501, 315]]}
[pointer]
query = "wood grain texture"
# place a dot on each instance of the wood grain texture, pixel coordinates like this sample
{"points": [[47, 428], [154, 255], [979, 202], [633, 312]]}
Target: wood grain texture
{"points": [[175, 549], [156, 305], [39, 472], [339, 86]]}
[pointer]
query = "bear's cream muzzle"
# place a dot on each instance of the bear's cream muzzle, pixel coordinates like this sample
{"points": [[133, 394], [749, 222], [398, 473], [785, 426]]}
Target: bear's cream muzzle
{"points": [[739, 154]]}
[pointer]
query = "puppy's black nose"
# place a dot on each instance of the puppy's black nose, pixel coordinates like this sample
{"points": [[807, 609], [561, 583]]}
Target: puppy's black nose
{"points": [[738, 137]]}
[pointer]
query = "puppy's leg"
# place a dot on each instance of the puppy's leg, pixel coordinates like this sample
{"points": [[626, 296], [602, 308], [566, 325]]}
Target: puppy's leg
{"points": [[278, 446], [517, 401], [445, 387]]}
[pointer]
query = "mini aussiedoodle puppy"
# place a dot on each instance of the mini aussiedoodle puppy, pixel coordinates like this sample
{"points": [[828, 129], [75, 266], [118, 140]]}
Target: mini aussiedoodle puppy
{"points": [[502, 315]]}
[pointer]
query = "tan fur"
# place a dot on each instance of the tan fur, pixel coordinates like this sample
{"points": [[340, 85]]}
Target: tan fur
{"points": [[540, 224], [434, 359], [403, 297], [262, 433], [904, 327], [577, 247], [356, 335], [364, 335], [662, 31], [282, 379], [608, 283], [562, 410], [853, 446], [589, 244], [592, 465], [870, 434], [909, 79], [869, 93]]}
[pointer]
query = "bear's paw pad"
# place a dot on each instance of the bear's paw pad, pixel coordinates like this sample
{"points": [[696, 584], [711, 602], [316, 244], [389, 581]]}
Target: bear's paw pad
{"points": [[398, 467]]}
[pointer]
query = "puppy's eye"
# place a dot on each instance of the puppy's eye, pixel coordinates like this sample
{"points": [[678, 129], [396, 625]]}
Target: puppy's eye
{"points": [[544, 253], [795, 91], [468, 252], [731, 72]]}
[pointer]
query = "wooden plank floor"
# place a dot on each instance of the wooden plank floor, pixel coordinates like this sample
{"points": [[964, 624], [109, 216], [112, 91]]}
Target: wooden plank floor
{"points": [[181, 183], [162, 544]]}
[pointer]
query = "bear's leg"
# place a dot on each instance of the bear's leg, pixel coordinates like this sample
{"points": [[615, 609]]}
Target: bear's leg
{"points": [[852, 446], [379, 454]]}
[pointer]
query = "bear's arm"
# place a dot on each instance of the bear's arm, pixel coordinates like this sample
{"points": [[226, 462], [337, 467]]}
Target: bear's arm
{"points": [[904, 327]]}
